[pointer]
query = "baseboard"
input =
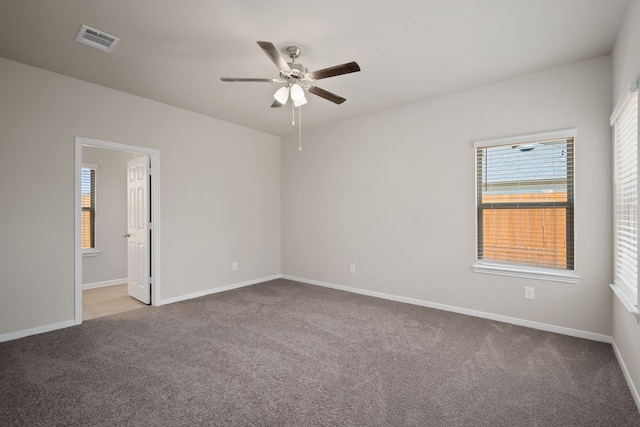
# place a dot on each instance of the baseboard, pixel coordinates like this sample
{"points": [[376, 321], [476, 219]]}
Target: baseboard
{"points": [[216, 290], [506, 319], [627, 376], [105, 283], [35, 331], [48, 328]]}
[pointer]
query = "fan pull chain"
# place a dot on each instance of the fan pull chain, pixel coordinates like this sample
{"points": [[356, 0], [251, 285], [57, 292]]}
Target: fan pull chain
{"points": [[293, 114], [299, 128]]}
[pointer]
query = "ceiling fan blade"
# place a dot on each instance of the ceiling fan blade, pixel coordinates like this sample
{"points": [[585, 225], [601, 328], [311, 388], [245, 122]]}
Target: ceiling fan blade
{"points": [[326, 95], [338, 70], [250, 79], [274, 55], [276, 104]]}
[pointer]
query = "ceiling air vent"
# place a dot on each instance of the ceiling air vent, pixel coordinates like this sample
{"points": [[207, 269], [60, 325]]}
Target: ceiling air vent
{"points": [[96, 39]]}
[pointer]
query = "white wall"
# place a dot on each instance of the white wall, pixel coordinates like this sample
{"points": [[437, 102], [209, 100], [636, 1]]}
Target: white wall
{"points": [[394, 194], [111, 216], [220, 184], [626, 67]]}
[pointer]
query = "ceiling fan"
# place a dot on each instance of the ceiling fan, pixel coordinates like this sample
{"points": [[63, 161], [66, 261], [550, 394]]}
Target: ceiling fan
{"points": [[297, 78]]}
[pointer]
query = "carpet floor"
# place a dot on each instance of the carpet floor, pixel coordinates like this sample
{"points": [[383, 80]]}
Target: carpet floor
{"points": [[282, 353]]}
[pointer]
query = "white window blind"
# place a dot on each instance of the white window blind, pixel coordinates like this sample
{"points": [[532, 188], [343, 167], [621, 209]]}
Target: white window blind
{"points": [[88, 203], [525, 201], [625, 122]]}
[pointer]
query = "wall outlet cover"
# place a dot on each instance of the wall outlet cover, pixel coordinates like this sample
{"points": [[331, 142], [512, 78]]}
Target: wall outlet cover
{"points": [[529, 292]]}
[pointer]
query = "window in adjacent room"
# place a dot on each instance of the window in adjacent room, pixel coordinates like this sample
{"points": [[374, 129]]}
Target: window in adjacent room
{"points": [[625, 122], [88, 203], [525, 206]]}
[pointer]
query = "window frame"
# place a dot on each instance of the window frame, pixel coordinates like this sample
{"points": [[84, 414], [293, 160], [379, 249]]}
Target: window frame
{"points": [[518, 270], [92, 251], [627, 293]]}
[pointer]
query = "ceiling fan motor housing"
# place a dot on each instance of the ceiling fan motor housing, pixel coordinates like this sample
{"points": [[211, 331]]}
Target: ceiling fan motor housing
{"points": [[298, 71]]}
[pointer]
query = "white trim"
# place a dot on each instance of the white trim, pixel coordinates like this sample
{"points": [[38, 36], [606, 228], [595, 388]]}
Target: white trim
{"points": [[154, 155], [95, 285], [515, 321], [34, 331], [533, 137], [77, 231], [628, 304], [506, 319], [90, 166], [622, 100], [627, 376], [554, 275], [90, 252], [220, 289]]}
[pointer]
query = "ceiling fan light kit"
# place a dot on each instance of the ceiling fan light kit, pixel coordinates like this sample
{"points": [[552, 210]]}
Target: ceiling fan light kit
{"points": [[282, 95], [297, 95], [297, 78]]}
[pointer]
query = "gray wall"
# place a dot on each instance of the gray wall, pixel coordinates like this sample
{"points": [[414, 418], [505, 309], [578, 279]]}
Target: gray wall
{"points": [[220, 192], [111, 216], [626, 67], [394, 194]]}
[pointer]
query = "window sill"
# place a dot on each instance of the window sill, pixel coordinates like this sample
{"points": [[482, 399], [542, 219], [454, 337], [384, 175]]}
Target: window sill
{"points": [[90, 252], [631, 308], [565, 276]]}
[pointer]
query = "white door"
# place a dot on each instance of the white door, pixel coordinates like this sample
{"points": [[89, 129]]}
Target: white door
{"points": [[139, 225]]}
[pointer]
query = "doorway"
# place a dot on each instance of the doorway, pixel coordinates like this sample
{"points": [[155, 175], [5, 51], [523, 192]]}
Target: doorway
{"points": [[154, 157]]}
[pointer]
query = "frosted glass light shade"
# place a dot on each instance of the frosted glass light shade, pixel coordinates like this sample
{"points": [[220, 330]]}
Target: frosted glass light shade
{"points": [[297, 93], [282, 95], [300, 102]]}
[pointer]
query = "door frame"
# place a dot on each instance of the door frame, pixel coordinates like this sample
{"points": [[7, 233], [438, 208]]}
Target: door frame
{"points": [[154, 155]]}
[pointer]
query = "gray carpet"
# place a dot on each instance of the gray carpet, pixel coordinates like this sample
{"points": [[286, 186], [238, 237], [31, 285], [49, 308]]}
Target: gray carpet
{"points": [[283, 353]]}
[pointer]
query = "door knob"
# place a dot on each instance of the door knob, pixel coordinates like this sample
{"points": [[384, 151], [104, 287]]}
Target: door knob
{"points": [[127, 235]]}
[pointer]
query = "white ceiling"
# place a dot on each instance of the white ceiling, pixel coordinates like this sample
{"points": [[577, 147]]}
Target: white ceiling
{"points": [[176, 51]]}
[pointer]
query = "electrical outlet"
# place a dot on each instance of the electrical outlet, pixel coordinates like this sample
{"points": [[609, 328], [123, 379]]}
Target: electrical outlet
{"points": [[234, 266], [529, 293], [352, 269]]}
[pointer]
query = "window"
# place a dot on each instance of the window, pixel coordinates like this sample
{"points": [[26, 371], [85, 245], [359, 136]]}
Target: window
{"points": [[625, 122], [525, 206], [88, 203]]}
